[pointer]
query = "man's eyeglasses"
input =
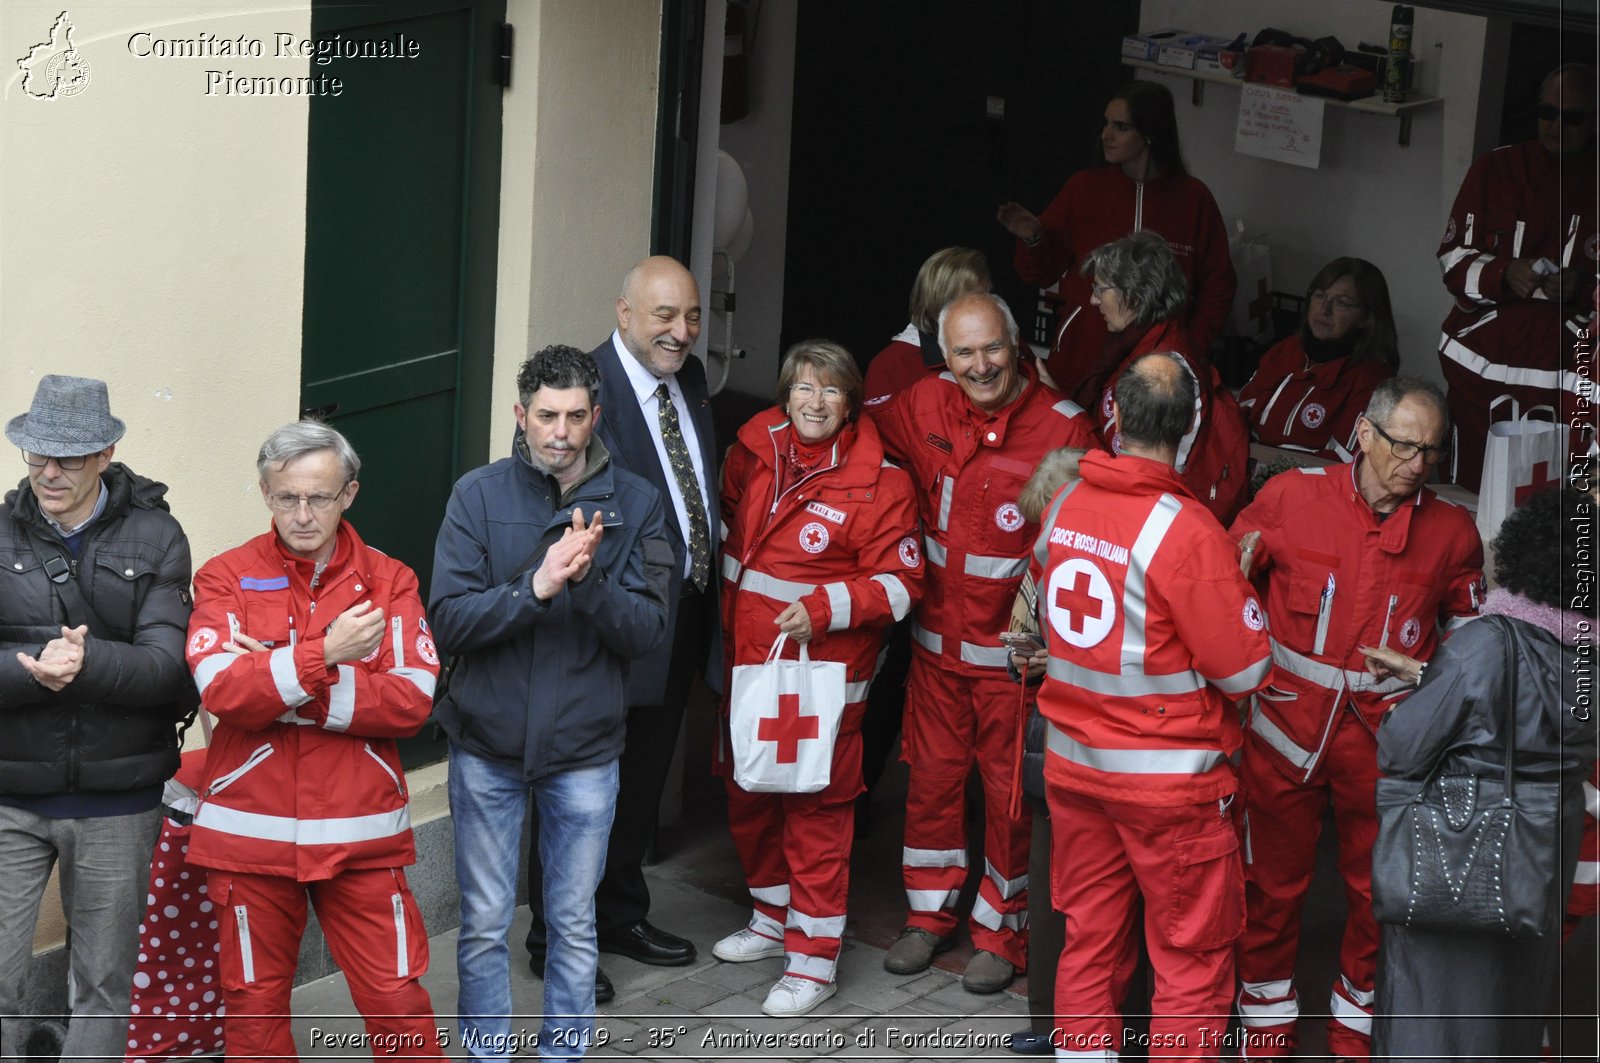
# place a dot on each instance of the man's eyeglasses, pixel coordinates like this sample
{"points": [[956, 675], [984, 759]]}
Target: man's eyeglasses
{"points": [[806, 392], [283, 502], [1549, 112], [72, 464], [1405, 450], [1342, 303]]}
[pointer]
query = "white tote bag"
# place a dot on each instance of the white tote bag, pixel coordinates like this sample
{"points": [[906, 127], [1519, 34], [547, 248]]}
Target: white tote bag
{"points": [[784, 718], [1520, 457]]}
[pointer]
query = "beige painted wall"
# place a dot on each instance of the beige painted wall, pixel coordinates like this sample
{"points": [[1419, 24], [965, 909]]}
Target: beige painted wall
{"points": [[576, 177], [153, 236]]}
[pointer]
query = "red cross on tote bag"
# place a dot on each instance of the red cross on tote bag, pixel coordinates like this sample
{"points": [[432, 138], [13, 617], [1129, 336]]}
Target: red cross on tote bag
{"points": [[784, 717]]}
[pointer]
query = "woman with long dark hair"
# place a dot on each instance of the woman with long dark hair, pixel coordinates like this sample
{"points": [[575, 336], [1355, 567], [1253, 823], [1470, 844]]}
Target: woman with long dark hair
{"points": [[1143, 186], [1311, 387]]}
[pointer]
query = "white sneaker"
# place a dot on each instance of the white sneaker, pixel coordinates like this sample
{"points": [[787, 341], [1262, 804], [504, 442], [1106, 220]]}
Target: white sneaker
{"points": [[794, 995], [746, 945]]}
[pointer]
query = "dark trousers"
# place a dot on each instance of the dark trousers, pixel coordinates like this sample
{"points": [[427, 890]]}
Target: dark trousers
{"points": [[623, 898]]}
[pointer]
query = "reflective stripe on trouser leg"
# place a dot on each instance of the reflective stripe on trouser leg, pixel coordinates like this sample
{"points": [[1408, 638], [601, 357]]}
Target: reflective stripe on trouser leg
{"points": [[1000, 913], [937, 738], [817, 837], [1268, 1012]]}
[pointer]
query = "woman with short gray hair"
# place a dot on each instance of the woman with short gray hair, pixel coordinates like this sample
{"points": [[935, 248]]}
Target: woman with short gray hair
{"points": [[1138, 288]]}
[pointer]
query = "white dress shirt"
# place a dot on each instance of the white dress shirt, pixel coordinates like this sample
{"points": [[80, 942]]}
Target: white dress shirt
{"points": [[644, 392]]}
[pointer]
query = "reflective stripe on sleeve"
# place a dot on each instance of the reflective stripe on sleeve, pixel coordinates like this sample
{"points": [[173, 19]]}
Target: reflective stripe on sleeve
{"points": [[935, 552], [899, 597], [838, 605], [420, 678], [928, 640], [731, 568], [341, 700], [286, 678], [1330, 678], [211, 667], [1246, 679]]}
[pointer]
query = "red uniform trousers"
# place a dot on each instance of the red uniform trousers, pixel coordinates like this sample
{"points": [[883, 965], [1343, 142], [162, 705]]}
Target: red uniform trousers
{"points": [[374, 931], [950, 719], [1184, 861], [795, 851], [1283, 819]]}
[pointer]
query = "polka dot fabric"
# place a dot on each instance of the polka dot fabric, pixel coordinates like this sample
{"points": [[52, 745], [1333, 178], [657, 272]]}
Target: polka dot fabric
{"points": [[177, 989]]}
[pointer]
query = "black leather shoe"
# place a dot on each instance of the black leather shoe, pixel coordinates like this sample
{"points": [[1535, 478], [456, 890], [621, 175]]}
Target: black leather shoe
{"points": [[1028, 1043], [649, 944], [603, 989]]}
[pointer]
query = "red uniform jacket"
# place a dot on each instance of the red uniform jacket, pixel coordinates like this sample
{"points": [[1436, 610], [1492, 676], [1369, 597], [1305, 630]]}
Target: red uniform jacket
{"points": [[843, 540], [1100, 205], [899, 365], [303, 779], [1519, 201], [1336, 579], [968, 468], [1214, 456], [1153, 634], [1295, 403]]}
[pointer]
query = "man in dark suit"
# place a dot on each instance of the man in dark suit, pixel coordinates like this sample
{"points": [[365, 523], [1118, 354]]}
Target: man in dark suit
{"points": [[656, 423]]}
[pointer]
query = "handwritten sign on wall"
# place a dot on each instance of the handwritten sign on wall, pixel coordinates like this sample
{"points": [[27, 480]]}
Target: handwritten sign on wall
{"points": [[1274, 124]]}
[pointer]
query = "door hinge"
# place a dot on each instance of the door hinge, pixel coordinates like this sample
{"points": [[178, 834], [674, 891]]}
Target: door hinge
{"points": [[503, 69]]}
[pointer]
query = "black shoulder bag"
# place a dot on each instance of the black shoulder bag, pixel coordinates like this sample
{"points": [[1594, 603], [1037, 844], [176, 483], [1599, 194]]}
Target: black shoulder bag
{"points": [[1466, 853]]}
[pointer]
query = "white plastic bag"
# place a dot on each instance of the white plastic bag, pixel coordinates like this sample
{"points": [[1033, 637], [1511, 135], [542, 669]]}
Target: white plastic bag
{"points": [[1521, 457], [784, 717], [1251, 316]]}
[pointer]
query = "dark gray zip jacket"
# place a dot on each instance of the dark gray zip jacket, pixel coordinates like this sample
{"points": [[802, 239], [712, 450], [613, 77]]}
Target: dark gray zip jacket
{"points": [[112, 728]]}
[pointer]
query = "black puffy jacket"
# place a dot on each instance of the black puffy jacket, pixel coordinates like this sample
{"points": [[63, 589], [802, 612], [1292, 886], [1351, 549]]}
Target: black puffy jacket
{"points": [[113, 727]]}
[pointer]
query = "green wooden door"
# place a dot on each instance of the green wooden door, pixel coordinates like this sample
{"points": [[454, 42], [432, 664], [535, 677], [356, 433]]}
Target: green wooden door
{"points": [[401, 216]]}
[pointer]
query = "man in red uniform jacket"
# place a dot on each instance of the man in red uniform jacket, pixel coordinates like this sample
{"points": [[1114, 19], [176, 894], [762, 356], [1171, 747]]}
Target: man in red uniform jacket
{"points": [[305, 796], [1152, 634], [1350, 556], [970, 439], [1519, 255]]}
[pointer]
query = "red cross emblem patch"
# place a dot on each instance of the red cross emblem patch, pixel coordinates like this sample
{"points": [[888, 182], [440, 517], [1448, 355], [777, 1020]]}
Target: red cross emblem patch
{"points": [[1082, 609], [202, 640], [1313, 414], [813, 538], [910, 554]]}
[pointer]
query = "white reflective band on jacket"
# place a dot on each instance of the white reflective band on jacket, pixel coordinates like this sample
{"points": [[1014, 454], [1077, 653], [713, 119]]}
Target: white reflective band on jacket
{"points": [[1132, 761], [1478, 365], [1331, 678], [338, 831]]}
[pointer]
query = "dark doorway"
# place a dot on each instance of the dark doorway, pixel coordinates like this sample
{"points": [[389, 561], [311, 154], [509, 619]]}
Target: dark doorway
{"points": [[912, 123]]}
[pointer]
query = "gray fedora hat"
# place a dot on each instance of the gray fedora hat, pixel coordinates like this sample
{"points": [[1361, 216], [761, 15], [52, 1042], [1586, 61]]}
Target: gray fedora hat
{"points": [[71, 415]]}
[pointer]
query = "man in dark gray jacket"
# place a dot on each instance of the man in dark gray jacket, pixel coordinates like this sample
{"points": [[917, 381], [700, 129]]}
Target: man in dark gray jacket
{"points": [[551, 572], [94, 603]]}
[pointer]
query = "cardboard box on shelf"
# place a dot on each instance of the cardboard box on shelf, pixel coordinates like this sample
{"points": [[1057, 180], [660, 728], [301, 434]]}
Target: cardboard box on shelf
{"points": [[1184, 52], [1147, 46]]}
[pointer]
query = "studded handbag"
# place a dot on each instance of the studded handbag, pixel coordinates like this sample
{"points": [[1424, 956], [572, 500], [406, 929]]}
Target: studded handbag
{"points": [[1469, 853]]}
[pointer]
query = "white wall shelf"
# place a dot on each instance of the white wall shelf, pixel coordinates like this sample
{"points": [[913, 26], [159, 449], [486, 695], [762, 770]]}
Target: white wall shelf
{"points": [[1369, 105]]}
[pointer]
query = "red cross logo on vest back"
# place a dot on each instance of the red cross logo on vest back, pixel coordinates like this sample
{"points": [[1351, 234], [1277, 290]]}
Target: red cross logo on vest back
{"points": [[1082, 608], [789, 728]]}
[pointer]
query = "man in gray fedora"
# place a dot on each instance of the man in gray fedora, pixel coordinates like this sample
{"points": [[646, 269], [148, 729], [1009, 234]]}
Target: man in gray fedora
{"points": [[94, 606]]}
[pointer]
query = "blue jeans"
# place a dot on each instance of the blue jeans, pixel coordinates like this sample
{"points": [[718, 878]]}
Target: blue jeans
{"points": [[488, 801]]}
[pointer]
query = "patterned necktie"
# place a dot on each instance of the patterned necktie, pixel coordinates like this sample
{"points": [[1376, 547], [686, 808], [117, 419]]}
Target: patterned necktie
{"points": [[688, 486]]}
